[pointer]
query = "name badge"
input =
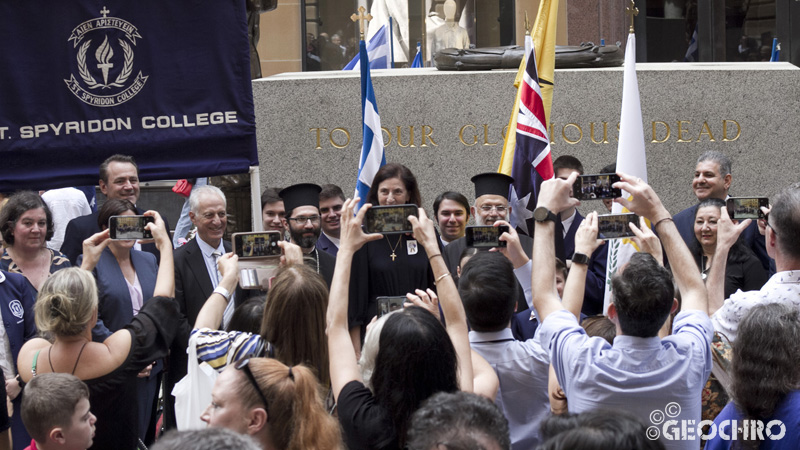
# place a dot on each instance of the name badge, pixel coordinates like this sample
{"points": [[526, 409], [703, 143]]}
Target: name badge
{"points": [[411, 246]]}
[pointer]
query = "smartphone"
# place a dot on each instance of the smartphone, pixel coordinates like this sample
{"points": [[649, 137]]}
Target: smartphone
{"points": [[615, 226], [257, 244], [485, 236], [392, 219], [129, 228], [389, 304], [741, 208], [596, 187]]}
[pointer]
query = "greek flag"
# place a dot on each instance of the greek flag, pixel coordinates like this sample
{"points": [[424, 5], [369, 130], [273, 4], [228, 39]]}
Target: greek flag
{"points": [[417, 59], [378, 50], [372, 157]]}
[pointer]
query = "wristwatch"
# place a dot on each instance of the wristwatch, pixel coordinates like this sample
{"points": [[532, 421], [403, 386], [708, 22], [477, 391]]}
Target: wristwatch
{"points": [[223, 292], [580, 258], [542, 214]]}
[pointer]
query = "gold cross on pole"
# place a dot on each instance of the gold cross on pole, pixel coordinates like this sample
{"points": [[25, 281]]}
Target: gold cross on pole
{"points": [[631, 11], [361, 18]]}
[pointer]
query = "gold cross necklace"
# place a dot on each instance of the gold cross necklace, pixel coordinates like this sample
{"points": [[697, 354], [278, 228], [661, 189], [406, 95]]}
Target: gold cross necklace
{"points": [[393, 255]]}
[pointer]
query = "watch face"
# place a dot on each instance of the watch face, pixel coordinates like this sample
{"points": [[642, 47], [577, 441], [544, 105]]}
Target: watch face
{"points": [[540, 214]]}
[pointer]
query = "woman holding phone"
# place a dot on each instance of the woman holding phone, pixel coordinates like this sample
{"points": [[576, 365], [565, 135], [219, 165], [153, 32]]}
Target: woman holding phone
{"points": [[126, 279], [395, 265]]}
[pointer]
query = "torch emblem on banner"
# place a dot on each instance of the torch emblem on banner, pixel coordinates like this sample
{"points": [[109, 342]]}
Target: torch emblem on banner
{"points": [[108, 66]]}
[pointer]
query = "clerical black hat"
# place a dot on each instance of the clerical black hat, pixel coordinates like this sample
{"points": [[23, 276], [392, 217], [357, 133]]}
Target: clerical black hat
{"points": [[492, 183], [303, 194]]}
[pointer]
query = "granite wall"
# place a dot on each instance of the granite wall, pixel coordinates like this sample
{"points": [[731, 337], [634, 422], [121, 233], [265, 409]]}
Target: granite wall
{"points": [[447, 126]]}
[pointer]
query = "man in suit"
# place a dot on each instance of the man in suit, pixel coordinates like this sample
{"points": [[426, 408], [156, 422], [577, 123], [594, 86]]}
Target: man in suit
{"points": [[303, 222], [197, 276], [713, 179], [119, 178], [331, 199], [571, 219], [491, 205]]}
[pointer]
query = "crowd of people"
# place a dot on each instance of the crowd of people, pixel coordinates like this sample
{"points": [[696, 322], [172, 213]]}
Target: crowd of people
{"points": [[511, 347]]}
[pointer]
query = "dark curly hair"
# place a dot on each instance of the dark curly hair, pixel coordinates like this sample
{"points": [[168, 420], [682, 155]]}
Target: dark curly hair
{"points": [[416, 359], [17, 205], [764, 366]]}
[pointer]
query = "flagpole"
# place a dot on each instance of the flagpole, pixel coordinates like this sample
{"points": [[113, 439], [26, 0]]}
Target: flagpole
{"points": [[391, 41]]}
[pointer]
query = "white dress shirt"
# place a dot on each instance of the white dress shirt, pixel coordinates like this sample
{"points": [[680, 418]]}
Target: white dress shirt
{"points": [[639, 375], [522, 369], [214, 275]]}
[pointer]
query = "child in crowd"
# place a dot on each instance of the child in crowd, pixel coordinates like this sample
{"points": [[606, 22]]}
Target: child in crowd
{"points": [[55, 410]]}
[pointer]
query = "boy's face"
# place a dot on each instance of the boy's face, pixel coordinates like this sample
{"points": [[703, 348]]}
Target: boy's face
{"points": [[80, 434]]}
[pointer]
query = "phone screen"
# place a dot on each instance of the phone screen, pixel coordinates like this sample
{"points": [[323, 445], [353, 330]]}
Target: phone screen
{"points": [[742, 208], [615, 226], [257, 244], [485, 236], [596, 187], [389, 304], [129, 228], [390, 219]]}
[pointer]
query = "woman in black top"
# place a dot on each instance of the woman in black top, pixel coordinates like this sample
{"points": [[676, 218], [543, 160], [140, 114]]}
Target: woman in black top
{"points": [[394, 265], [417, 357], [743, 270], [67, 310]]}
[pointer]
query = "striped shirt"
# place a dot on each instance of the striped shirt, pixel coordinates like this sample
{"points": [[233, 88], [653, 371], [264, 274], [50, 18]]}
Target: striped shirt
{"points": [[219, 348]]}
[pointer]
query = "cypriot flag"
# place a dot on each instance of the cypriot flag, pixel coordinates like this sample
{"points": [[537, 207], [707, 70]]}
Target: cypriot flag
{"points": [[630, 158]]}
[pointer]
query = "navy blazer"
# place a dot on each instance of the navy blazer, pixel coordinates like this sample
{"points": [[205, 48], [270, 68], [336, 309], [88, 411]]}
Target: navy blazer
{"points": [[17, 297], [325, 244], [595, 289], [752, 239], [80, 228], [114, 310]]}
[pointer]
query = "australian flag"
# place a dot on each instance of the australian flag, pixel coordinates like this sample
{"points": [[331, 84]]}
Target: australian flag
{"points": [[532, 161]]}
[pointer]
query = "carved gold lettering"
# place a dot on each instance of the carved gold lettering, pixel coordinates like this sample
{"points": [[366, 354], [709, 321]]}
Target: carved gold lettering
{"points": [[427, 131], [552, 135], [605, 133], [655, 132], [317, 130], [503, 133], [342, 130], [410, 137], [725, 130], [706, 130], [386, 142], [681, 130], [486, 136], [564, 133], [617, 138], [461, 136]]}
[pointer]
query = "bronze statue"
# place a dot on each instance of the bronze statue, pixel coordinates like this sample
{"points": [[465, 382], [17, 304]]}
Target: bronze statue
{"points": [[254, 10], [509, 57]]}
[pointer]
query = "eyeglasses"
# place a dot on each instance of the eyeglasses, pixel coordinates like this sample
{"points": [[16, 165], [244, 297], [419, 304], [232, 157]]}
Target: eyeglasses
{"points": [[499, 209], [244, 365], [302, 220]]}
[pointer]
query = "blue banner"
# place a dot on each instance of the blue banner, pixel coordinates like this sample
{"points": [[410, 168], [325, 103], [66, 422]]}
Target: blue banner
{"points": [[165, 81]]}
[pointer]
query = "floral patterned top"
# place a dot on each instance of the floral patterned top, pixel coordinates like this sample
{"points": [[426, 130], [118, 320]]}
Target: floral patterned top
{"points": [[58, 261]]}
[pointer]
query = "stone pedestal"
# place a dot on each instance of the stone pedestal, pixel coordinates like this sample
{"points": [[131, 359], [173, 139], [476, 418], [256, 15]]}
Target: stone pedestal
{"points": [[448, 126]]}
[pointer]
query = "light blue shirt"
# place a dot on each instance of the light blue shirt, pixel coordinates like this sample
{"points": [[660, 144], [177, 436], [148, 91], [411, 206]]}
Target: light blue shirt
{"points": [[638, 375], [522, 369]]}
